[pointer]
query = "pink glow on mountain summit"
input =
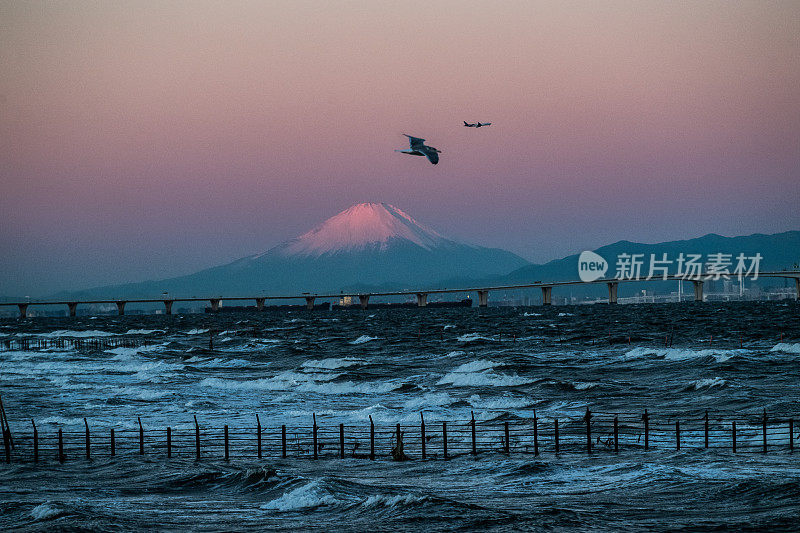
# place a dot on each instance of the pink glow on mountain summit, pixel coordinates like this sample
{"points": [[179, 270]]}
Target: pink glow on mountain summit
{"points": [[363, 225]]}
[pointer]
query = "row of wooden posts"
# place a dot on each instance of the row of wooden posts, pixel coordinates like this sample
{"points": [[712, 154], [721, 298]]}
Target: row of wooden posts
{"points": [[397, 451], [77, 343]]}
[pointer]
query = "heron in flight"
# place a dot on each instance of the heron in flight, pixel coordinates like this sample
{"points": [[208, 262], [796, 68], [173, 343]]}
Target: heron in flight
{"points": [[476, 124], [418, 148]]}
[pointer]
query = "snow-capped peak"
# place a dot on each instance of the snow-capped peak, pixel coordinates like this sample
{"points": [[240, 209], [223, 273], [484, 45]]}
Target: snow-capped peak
{"points": [[360, 226]]}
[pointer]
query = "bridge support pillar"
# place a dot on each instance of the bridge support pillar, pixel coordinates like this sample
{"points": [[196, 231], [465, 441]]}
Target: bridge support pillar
{"points": [[310, 303], [483, 298], [121, 307], [698, 290], [23, 310], [422, 299], [612, 292], [364, 300], [547, 295], [215, 304], [73, 308], [260, 304], [168, 307]]}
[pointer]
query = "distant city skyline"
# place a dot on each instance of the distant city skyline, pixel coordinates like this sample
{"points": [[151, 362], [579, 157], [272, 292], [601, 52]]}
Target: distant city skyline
{"points": [[143, 141]]}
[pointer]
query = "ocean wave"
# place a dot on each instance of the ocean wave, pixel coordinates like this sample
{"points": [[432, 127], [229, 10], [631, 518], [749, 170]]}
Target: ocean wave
{"points": [[456, 353], [531, 314], [46, 511], [473, 337], [196, 331], [476, 366], [499, 402], [123, 352], [681, 354], [308, 496], [566, 314], [363, 338], [786, 347], [217, 362], [77, 334], [386, 500], [332, 363], [707, 383], [482, 379], [286, 383], [143, 331], [428, 401]]}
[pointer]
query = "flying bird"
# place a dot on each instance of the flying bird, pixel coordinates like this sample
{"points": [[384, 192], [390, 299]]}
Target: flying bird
{"points": [[418, 148], [476, 124]]}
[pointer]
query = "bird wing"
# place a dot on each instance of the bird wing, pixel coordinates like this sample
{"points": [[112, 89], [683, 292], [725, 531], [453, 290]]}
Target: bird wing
{"points": [[415, 142], [430, 153]]}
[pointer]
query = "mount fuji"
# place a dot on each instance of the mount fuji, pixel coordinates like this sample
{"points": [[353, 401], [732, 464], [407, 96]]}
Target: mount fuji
{"points": [[366, 246]]}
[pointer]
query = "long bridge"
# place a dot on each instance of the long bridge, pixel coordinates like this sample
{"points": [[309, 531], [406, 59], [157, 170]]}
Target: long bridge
{"points": [[421, 295]]}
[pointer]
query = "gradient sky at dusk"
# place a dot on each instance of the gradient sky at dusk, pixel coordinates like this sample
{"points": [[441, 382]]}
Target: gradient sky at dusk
{"points": [[141, 140]]}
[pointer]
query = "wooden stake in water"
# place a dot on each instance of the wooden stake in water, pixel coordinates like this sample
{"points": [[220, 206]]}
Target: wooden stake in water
{"points": [[36, 443], [60, 446], [88, 449], [371, 439], [422, 433], [314, 431], [474, 443], [588, 418], [227, 455], [196, 439], [341, 441], [444, 438], [258, 436], [141, 436]]}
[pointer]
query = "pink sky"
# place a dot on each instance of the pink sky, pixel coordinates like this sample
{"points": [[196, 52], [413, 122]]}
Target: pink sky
{"points": [[140, 141]]}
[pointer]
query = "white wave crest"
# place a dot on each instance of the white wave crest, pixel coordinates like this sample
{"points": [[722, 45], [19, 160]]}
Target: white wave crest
{"points": [[472, 337], [196, 331], [708, 383], [332, 363], [482, 379], [364, 338], [532, 314], [44, 511], [681, 354], [301, 383], [498, 402], [308, 496], [476, 366], [786, 347], [385, 500], [143, 331], [77, 334]]}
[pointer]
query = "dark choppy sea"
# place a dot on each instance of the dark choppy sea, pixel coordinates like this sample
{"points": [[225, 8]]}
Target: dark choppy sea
{"points": [[392, 365]]}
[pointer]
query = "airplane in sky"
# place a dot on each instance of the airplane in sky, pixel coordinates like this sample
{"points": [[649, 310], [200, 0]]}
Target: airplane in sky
{"points": [[476, 124]]}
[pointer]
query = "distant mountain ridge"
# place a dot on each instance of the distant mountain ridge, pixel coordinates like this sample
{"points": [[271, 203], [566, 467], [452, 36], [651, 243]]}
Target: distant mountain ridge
{"points": [[779, 251]]}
